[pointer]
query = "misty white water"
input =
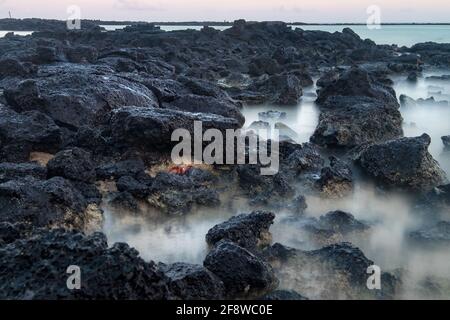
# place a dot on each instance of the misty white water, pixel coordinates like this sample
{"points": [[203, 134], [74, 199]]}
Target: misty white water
{"points": [[171, 239]]}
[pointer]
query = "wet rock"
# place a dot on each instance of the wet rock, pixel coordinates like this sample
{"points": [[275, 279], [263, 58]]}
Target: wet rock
{"points": [[263, 189], [24, 93], [278, 252], [243, 273], [284, 295], [73, 164], [328, 78], [356, 108], [298, 205], [352, 121], [206, 104], [404, 67], [13, 68], [431, 102], [81, 54], [10, 171], [304, 78], [142, 27], [132, 167], [263, 65], [336, 181], [298, 159], [132, 186], [192, 282], [153, 127], [201, 177], [435, 201], [342, 222], [437, 235], [204, 88], [386, 163], [280, 89], [432, 53], [47, 203], [167, 90], [87, 92], [412, 77], [445, 77], [250, 231], [338, 271], [90, 139], [107, 273], [23, 133], [331, 228], [11, 231], [271, 115], [124, 200], [259, 125], [46, 54], [358, 83], [407, 101], [235, 81], [446, 141], [178, 194], [89, 191], [285, 55]]}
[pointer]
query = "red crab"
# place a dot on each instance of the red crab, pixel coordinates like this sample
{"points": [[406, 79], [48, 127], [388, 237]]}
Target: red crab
{"points": [[180, 170]]}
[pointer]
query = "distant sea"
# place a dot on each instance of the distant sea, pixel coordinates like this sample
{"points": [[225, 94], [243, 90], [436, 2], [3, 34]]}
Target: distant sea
{"points": [[402, 35], [20, 33]]}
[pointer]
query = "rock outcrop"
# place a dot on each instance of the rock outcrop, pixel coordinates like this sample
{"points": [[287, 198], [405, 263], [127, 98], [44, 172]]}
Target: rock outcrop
{"points": [[403, 163]]}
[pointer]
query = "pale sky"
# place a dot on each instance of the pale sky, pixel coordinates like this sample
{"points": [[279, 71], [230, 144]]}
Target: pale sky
{"points": [[201, 10]]}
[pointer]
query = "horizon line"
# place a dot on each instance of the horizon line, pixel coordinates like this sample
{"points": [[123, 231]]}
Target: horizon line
{"points": [[227, 22]]}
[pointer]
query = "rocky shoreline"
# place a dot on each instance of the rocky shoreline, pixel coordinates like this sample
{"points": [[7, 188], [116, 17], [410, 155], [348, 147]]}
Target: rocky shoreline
{"points": [[86, 119]]}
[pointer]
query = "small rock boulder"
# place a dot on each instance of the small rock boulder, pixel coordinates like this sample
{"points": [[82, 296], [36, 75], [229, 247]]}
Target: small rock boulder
{"points": [[47, 203], [192, 282], [178, 194], [153, 127], [403, 163], [23, 133], [436, 235], [335, 181], [35, 268], [337, 271], [446, 141], [342, 222], [73, 164], [243, 273], [133, 186], [283, 90], [249, 231]]}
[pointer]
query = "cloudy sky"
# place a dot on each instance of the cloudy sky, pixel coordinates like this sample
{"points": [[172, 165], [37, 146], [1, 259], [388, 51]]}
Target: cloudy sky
{"points": [[183, 10]]}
